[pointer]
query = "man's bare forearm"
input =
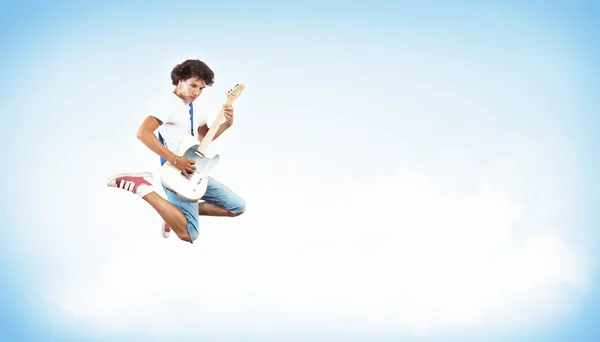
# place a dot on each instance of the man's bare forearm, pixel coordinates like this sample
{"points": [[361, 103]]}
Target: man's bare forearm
{"points": [[202, 130], [150, 140], [221, 129]]}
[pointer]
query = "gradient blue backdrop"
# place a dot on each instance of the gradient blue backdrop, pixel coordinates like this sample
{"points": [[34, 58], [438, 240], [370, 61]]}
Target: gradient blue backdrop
{"points": [[33, 35]]}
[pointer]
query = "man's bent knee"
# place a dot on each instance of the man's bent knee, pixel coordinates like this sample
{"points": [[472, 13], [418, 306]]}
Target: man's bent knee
{"points": [[186, 238], [183, 232], [239, 209]]}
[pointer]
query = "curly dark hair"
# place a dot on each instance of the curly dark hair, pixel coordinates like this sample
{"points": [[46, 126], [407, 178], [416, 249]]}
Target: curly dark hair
{"points": [[192, 68]]}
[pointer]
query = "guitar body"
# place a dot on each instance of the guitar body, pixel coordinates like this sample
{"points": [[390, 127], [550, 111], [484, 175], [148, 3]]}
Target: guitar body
{"points": [[192, 188]]}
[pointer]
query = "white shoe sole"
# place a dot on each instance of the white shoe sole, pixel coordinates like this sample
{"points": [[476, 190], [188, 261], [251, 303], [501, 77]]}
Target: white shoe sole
{"points": [[165, 234]]}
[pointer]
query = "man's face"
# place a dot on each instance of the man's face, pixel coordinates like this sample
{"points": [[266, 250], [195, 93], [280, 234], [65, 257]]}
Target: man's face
{"points": [[191, 88]]}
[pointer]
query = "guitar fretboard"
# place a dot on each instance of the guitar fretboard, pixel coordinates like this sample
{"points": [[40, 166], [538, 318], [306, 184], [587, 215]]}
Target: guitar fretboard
{"points": [[213, 129]]}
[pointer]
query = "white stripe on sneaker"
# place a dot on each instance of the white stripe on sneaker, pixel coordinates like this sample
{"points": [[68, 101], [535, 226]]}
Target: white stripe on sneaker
{"points": [[130, 185], [127, 185]]}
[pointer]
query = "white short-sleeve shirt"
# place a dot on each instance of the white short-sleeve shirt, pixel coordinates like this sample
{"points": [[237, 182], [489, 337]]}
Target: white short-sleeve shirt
{"points": [[175, 115]]}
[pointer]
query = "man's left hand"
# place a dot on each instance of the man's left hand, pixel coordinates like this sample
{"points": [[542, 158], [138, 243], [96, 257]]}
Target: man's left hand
{"points": [[228, 109]]}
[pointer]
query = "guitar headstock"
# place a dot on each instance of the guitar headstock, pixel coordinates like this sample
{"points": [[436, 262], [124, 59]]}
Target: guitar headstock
{"points": [[235, 92]]}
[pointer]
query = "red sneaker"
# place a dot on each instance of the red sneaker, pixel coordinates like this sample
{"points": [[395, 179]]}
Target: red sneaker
{"points": [[133, 182]]}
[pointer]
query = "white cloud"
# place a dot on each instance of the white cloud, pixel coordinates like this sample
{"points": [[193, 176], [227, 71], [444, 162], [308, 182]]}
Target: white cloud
{"points": [[402, 255]]}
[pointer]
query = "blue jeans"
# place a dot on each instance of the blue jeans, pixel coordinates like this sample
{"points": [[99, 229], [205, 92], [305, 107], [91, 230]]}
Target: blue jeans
{"points": [[216, 193]]}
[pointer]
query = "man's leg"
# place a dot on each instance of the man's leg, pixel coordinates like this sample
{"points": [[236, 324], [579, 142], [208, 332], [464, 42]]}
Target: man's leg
{"points": [[189, 209], [219, 200], [138, 184]]}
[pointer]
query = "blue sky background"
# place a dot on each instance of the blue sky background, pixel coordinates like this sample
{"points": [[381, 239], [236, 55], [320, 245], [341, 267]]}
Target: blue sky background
{"points": [[413, 171]]}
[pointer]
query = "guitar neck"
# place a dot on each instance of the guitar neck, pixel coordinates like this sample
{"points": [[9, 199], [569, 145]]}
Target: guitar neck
{"points": [[208, 138]]}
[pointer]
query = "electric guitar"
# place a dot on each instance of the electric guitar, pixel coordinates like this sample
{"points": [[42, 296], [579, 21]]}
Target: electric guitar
{"points": [[193, 188]]}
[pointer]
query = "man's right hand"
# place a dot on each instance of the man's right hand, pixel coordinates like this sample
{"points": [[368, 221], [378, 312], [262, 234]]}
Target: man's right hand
{"points": [[185, 165]]}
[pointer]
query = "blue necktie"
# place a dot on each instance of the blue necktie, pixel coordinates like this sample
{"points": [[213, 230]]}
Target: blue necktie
{"points": [[162, 141], [191, 119]]}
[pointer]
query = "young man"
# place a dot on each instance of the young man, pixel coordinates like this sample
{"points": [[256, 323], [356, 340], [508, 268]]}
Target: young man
{"points": [[173, 120]]}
